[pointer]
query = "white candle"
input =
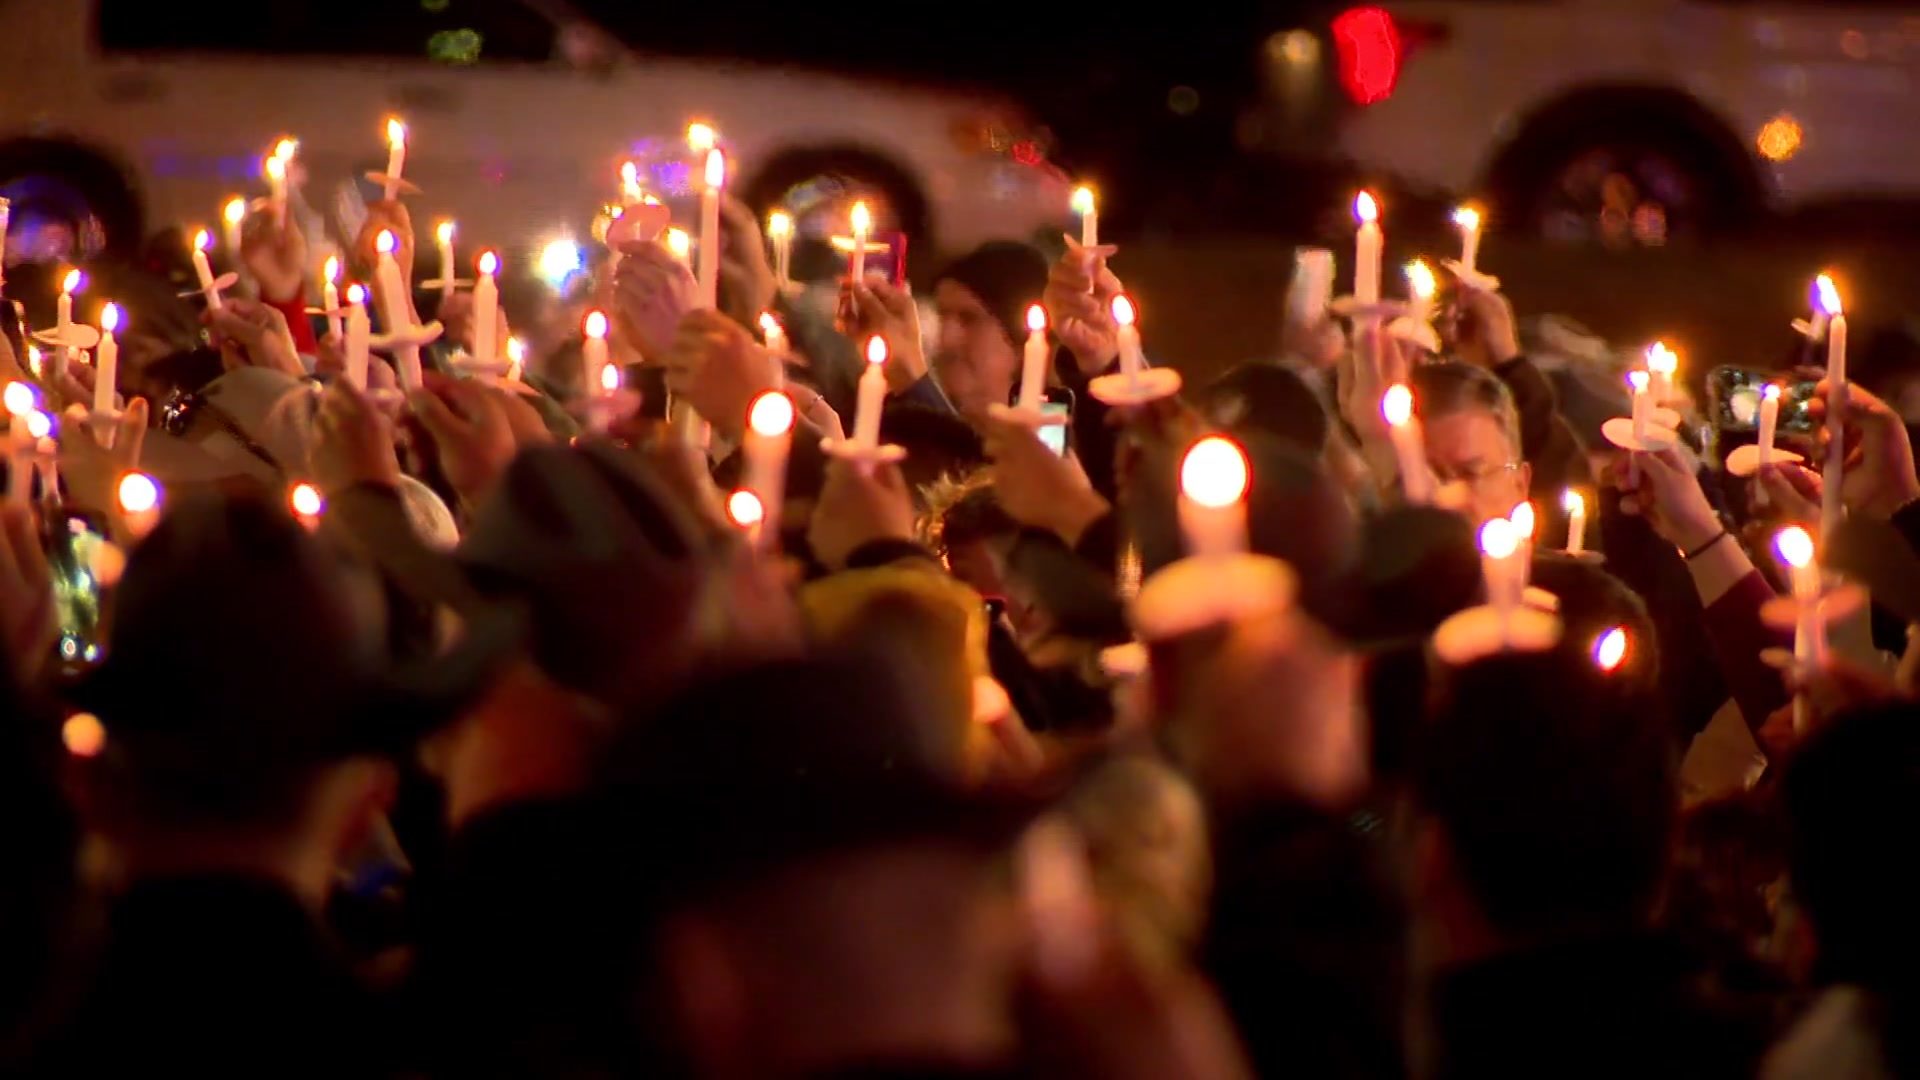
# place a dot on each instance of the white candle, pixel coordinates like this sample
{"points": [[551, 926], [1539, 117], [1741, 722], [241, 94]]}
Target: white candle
{"points": [[396, 156], [1213, 485], [6, 222], [1033, 367], [862, 225], [1132, 360], [1467, 219], [1769, 421], [1661, 364], [486, 309], [768, 440], [1421, 287], [232, 216], [1642, 405], [204, 270], [708, 276], [872, 397], [780, 233], [1576, 522], [63, 318], [276, 170], [330, 294], [1809, 632], [1833, 475], [593, 357], [1089, 211], [1498, 545], [1416, 481], [393, 296], [1368, 248], [359, 336], [106, 364], [443, 239], [1522, 521]]}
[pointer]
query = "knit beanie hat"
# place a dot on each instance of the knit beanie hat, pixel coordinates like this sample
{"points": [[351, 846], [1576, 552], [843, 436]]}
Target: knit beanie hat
{"points": [[1007, 276]]}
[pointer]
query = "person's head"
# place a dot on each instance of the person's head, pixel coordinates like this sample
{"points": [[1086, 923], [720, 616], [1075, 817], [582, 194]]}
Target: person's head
{"points": [[1473, 436], [968, 529], [1545, 795], [981, 301]]}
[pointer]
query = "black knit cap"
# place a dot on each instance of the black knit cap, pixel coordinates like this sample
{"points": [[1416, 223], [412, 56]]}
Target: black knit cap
{"points": [[1007, 276]]}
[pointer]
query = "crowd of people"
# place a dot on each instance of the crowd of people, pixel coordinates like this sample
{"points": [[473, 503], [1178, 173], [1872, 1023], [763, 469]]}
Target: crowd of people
{"points": [[465, 724]]}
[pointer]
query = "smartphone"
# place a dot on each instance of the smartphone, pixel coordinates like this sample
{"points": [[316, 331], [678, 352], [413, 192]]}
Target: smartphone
{"points": [[1734, 396], [74, 544], [1057, 436]]}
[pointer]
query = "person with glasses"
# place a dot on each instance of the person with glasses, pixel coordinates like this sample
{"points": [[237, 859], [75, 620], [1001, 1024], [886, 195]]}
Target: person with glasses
{"points": [[1473, 438]]}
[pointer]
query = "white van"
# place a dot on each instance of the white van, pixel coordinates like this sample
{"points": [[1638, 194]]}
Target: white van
{"points": [[1632, 120], [521, 112]]}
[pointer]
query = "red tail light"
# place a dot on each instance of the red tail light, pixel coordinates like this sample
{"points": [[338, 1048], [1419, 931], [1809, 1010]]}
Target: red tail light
{"points": [[1373, 47]]}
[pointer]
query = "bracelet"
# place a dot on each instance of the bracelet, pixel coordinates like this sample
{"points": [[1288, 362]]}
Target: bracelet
{"points": [[1689, 556]]}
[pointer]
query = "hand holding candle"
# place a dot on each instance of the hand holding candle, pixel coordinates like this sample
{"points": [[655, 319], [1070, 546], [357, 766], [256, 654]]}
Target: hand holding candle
{"points": [[203, 270], [1214, 478], [1084, 205], [872, 396], [443, 240], [780, 234], [486, 309]]}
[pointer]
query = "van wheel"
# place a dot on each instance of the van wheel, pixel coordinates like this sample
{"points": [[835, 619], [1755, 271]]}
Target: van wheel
{"points": [[69, 204], [1634, 185], [818, 188]]}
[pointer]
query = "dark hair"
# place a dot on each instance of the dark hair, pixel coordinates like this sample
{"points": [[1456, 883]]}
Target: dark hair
{"points": [[973, 516], [1556, 788], [1448, 387]]}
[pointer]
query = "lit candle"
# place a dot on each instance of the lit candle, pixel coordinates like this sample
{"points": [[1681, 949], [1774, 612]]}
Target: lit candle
{"points": [[396, 156], [593, 356], [63, 318], [680, 245], [1127, 335], [486, 308], [1033, 368], [276, 170], [1421, 287], [443, 239], [1576, 522], [1769, 420], [1834, 473], [106, 364], [872, 396], [1213, 485], [700, 137], [1522, 521], [1089, 211], [330, 294], [516, 358], [399, 309], [748, 512], [780, 233], [204, 270], [139, 497], [862, 225], [305, 502], [359, 341], [232, 216], [1368, 250], [768, 441], [1661, 364], [1809, 633], [1467, 220], [1642, 405], [1498, 544], [709, 273], [630, 190], [775, 336], [1396, 407]]}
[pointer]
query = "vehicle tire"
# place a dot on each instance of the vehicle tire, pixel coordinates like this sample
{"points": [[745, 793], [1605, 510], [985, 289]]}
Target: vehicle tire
{"points": [[84, 194], [818, 187], [1626, 171]]}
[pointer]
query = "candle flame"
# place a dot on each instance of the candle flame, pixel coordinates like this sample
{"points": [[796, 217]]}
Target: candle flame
{"points": [[1467, 218], [1574, 502], [1082, 200], [71, 283], [1215, 472], [385, 243], [744, 509], [610, 378], [1396, 405], [33, 359], [1498, 538], [110, 318], [20, 398], [330, 270], [444, 232], [396, 132], [596, 324], [862, 219], [1770, 392], [1364, 208], [1522, 519], [716, 170], [679, 243], [234, 212], [1637, 380], [285, 149], [630, 178], [202, 241], [779, 224], [305, 500], [1036, 318], [39, 424], [356, 293], [700, 137], [1829, 295], [1610, 649], [1420, 279], [1662, 359], [768, 324], [771, 414], [138, 493], [83, 735], [489, 263], [876, 350], [1123, 312], [1795, 546], [275, 168], [516, 350]]}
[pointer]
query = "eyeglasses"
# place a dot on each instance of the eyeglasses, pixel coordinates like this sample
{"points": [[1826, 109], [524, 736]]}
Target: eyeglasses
{"points": [[1477, 476]]}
